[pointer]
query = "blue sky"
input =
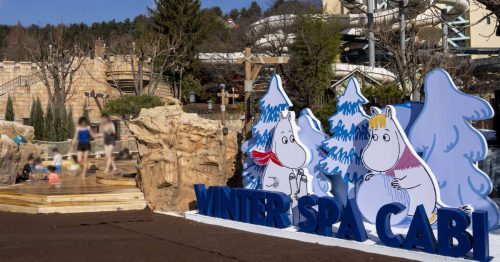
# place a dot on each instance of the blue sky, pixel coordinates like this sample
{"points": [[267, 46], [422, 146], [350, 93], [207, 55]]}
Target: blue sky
{"points": [[42, 12]]}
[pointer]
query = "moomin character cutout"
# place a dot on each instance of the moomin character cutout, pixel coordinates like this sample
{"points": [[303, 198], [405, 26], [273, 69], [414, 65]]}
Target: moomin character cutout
{"points": [[389, 154], [312, 135], [271, 106], [286, 163]]}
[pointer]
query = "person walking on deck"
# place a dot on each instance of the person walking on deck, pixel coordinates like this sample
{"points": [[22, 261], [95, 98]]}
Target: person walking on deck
{"points": [[83, 136], [109, 134]]}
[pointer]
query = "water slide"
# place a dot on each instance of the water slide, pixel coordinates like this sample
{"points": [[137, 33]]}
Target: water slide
{"points": [[424, 13], [421, 12]]}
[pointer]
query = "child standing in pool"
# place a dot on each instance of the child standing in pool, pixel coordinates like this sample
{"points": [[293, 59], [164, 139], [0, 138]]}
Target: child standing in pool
{"points": [[53, 177], [83, 136], [57, 162]]}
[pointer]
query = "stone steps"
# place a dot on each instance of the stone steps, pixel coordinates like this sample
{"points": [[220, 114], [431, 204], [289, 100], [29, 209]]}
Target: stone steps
{"points": [[163, 91]]}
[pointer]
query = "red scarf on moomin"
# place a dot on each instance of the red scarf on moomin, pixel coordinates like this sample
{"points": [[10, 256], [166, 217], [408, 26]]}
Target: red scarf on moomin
{"points": [[262, 158]]}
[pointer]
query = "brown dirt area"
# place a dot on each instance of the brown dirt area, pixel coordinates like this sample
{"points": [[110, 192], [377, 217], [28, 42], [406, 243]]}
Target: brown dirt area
{"points": [[145, 236]]}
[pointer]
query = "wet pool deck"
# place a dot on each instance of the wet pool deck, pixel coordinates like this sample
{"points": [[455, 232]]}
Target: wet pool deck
{"points": [[95, 192]]}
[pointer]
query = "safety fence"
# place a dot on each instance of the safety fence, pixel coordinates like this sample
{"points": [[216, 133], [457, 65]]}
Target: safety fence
{"points": [[66, 148]]}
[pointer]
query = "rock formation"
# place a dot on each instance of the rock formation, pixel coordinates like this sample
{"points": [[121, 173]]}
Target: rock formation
{"points": [[178, 150], [13, 129], [10, 155]]}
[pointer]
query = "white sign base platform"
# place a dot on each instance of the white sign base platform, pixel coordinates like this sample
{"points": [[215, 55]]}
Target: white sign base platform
{"points": [[372, 245]]}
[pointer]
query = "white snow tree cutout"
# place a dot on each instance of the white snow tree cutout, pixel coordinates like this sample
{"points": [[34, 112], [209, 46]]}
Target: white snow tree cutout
{"points": [[312, 135], [451, 146], [271, 105], [349, 129]]}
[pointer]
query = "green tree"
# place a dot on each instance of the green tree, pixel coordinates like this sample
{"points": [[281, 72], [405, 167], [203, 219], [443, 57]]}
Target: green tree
{"points": [[38, 120], [32, 113], [323, 113], [128, 106], [179, 19], [253, 12], [70, 124], [60, 118], [49, 133], [384, 92], [9, 111], [234, 14], [191, 84], [315, 50]]}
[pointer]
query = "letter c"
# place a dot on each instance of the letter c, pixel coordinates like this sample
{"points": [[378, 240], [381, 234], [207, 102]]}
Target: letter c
{"points": [[383, 224]]}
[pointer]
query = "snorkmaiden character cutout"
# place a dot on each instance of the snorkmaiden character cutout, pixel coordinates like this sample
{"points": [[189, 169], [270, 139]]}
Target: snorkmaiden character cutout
{"points": [[390, 154], [286, 163]]}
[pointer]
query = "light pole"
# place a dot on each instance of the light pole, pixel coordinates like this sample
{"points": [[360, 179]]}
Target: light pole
{"points": [[209, 105], [192, 97], [444, 13], [371, 36], [223, 97], [402, 30]]}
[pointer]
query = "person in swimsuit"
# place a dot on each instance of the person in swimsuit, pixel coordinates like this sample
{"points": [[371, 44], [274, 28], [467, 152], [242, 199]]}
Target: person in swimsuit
{"points": [[83, 136], [109, 134]]}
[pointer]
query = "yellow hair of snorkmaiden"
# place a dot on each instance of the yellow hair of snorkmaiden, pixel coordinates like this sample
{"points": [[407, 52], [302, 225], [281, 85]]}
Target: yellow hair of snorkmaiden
{"points": [[377, 121]]}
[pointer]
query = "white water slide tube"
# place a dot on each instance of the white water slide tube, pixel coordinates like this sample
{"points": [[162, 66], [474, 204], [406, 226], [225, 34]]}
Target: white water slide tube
{"points": [[419, 10], [353, 23], [340, 70], [422, 12]]}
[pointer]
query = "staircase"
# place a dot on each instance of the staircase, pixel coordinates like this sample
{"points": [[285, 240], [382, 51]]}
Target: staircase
{"points": [[20, 81], [163, 91]]}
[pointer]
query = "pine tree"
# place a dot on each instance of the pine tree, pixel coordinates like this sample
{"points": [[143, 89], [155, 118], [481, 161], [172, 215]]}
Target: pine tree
{"points": [[271, 105], [349, 129], [39, 120], [179, 19], [60, 119], [313, 52], [9, 111], [70, 124], [64, 124], [32, 113], [49, 133]]}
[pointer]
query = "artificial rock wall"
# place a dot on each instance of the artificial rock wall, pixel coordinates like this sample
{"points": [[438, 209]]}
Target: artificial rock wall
{"points": [[178, 150]]}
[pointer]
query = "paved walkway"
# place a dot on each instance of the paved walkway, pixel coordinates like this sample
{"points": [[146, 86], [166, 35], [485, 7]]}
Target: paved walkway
{"points": [[144, 236]]}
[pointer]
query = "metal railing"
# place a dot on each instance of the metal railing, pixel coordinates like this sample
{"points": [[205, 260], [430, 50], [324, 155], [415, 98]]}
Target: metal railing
{"points": [[97, 147], [19, 81]]}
